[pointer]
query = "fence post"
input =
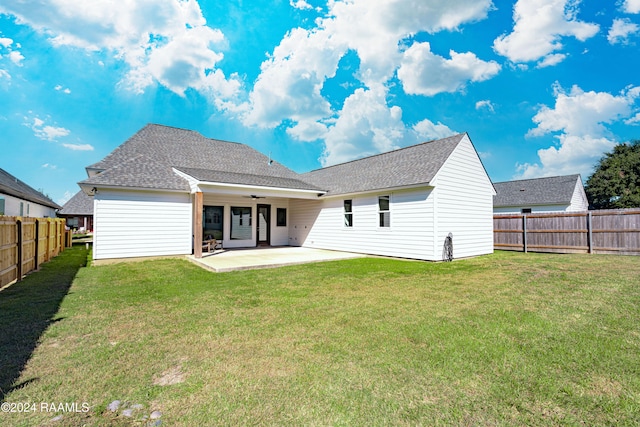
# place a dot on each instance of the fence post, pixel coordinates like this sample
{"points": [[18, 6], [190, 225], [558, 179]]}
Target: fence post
{"points": [[524, 232], [20, 243], [35, 265], [590, 231]]}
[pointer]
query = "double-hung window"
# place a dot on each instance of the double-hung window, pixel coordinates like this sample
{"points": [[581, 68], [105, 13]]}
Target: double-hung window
{"points": [[348, 213], [383, 211]]}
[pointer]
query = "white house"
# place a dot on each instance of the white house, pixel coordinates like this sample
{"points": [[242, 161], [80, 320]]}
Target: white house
{"points": [[165, 189], [19, 199], [552, 194]]}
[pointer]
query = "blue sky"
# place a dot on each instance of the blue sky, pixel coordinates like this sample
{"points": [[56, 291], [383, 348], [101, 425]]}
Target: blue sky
{"points": [[543, 87]]}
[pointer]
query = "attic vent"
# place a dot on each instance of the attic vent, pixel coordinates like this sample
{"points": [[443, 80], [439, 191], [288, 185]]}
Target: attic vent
{"points": [[522, 189]]}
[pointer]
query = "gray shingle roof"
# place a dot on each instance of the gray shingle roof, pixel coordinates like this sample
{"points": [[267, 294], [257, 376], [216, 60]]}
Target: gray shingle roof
{"points": [[417, 164], [146, 160], [12, 186], [248, 179], [555, 190], [79, 205]]}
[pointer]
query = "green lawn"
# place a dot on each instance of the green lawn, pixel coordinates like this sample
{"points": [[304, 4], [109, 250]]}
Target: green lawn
{"points": [[506, 339]]}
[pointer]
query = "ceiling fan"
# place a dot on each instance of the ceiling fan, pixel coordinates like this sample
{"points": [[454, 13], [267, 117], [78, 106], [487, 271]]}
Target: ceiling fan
{"points": [[254, 197]]}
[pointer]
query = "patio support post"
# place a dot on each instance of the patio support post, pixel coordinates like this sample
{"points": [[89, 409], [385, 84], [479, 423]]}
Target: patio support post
{"points": [[198, 205]]}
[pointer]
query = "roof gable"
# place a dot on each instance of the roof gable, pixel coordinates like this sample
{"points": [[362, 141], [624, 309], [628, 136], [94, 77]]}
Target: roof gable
{"points": [[12, 186], [413, 165], [147, 159], [557, 190]]}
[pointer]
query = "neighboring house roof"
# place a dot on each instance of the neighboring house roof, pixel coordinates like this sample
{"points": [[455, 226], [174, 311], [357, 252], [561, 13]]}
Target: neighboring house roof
{"points": [[414, 165], [12, 186], [79, 205], [146, 160], [557, 190]]}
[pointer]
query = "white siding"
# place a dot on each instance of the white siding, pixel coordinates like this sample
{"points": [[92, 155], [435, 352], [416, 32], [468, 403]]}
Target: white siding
{"points": [[279, 235], [29, 209], [137, 224], [579, 200], [320, 224], [464, 204], [534, 209]]}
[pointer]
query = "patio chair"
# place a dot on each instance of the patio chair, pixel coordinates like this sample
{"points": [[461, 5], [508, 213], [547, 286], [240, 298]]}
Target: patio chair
{"points": [[211, 244]]}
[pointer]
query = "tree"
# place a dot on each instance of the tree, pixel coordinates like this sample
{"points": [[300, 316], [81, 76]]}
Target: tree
{"points": [[616, 180]]}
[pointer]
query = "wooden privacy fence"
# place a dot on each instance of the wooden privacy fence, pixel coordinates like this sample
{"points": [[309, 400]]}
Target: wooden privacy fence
{"points": [[25, 243], [615, 231]]}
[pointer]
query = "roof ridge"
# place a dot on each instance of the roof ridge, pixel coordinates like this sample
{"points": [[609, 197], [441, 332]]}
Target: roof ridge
{"points": [[192, 131], [539, 178], [386, 152]]}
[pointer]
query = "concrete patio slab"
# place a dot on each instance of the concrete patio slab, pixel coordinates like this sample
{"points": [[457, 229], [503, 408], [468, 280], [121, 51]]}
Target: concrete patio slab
{"points": [[248, 259]]}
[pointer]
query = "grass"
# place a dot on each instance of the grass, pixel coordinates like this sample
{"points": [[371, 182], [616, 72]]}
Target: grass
{"points": [[506, 339]]}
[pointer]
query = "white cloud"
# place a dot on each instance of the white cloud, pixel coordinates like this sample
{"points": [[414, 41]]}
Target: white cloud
{"points": [[300, 4], [65, 198], [290, 87], [620, 31], [366, 126], [47, 132], [427, 130], [290, 82], [633, 120], [631, 6], [16, 57], [580, 120], [13, 54], [49, 166], [551, 60], [63, 89], [485, 104], [162, 41], [4, 74], [79, 147], [424, 73], [539, 26]]}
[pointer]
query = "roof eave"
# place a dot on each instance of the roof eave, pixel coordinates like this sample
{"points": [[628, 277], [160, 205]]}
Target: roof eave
{"points": [[261, 189], [91, 189], [379, 190]]}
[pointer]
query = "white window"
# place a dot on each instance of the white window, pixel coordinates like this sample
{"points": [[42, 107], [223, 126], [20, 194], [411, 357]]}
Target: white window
{"points": [[348, 213], [383, 211], [240, 223]]}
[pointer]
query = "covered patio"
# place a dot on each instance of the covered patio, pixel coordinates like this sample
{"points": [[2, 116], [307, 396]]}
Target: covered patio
{"points": [[247, 259]]}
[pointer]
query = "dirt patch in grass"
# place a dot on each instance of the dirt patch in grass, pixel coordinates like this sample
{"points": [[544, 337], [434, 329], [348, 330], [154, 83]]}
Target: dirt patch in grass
{"points": [[171, 376]]}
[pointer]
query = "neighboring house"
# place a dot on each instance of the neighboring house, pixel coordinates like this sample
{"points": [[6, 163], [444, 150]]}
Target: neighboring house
{"points": [[19, 199], [553, 194], [165, 189], [78, 212]]}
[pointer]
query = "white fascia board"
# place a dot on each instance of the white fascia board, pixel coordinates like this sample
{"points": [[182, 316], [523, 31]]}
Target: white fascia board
{"points": [[193, 183], [244, 189], [88, 189], [225, 188], [378, 191]]}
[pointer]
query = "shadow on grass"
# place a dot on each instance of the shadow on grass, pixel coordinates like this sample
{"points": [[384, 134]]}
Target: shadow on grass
{"points": [[27, 308]]}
